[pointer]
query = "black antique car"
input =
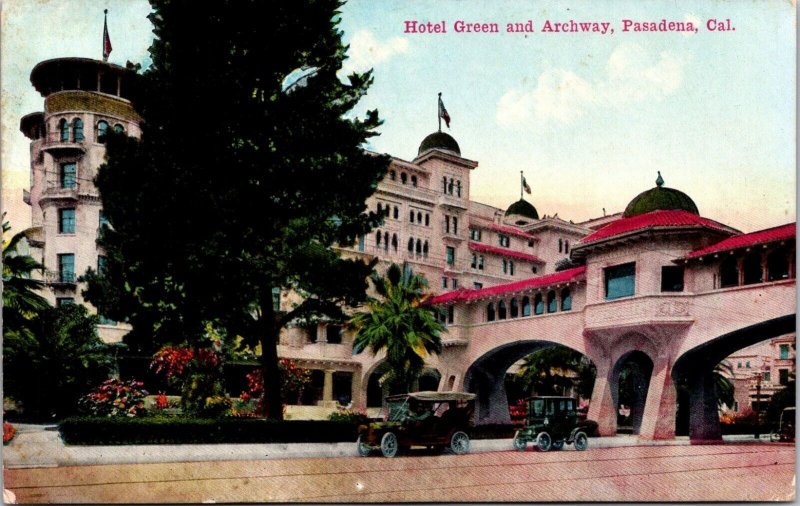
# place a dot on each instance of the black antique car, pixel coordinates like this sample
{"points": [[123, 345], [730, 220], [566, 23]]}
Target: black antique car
{"points": [[436, 420], [553, 421]]}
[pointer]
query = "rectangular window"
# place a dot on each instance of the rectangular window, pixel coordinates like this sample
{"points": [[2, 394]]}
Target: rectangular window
{"points": [[504, 241], [66, 221], [454, 283], [451, 255], [474, 264], [767, 376], [102, 320], [480, 263], [361, 243], [476, 285], [444, 282], [101, 264], [63, 301], [505, 266], [620, 280], [455, 225], [671, 278], [66, 268], [784, 351], [511, 267], [446, 224], [68, 175], [783, 376], [475, 234], [450, 313]]}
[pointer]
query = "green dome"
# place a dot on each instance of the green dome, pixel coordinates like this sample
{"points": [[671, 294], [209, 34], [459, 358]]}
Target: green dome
{"points": [[439, 140], [660, 199], [523, 208]]}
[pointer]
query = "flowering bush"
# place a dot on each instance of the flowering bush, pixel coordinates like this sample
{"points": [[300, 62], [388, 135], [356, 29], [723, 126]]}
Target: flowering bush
{"points": [[116, 398], [294, 380], [356, 416], [196, 371], [8, 432]]}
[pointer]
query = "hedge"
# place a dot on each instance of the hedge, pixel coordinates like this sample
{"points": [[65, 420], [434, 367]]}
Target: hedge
{"points": [[185, 430]]}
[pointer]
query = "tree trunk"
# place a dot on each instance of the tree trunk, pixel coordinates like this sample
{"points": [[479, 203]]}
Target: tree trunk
{"points": [[268, 337]]}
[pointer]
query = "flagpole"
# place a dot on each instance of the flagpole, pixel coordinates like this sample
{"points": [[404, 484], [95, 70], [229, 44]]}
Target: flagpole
{"points": [[521, 177], [439, 112]]}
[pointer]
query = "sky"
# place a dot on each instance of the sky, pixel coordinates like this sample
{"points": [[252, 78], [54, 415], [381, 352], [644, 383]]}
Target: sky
{"points": [[589, 118]]}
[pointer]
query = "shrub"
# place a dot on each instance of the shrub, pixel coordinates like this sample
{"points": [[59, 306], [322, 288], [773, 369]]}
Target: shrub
{"points": [[186, 430], [9, 431], [116, 398], [354, 416], [198, 374], [294, 380]]}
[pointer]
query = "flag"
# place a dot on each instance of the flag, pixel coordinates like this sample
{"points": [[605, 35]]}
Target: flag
{"points": [[443, 113], [106, 39], [525, 186]]}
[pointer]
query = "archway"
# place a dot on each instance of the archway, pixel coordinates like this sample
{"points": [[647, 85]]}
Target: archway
{"points": [[429, 380], [631, 380], [376, 391], [486, 377], [693, 374]]}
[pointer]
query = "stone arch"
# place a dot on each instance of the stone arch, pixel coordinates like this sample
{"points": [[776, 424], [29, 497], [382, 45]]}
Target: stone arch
{"points": [[375, 391], [485, 377], [430, 379], [635, 369], [693, 373]]}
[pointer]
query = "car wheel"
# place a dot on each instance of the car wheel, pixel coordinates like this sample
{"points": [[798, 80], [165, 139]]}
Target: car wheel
{"points": [[363, 449], [581, 441], [557, 445], [459, 443], [544, 441], [520, 443], [389, 444]]}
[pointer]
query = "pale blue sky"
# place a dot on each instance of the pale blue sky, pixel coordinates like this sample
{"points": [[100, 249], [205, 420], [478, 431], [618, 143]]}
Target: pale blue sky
{"points": [[590, 118]]}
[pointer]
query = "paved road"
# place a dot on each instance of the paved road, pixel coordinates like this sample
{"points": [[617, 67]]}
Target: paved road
{"points": [[729, 472]]}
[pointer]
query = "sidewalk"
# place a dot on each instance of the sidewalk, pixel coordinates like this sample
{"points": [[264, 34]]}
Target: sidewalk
{"points": [[41, 446]]}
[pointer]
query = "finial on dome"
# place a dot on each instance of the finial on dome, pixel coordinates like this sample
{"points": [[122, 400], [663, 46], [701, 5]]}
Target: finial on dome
{"points": [[659, 180]]}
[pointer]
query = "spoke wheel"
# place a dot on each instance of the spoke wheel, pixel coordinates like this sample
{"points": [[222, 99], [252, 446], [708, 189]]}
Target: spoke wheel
{"points": [[363, 449], [557, 445], [581, 441], [544, 441], [520, 443], [459, 443], [389, 445]]}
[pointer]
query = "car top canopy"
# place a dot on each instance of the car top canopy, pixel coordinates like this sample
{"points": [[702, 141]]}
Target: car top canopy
{"points": [[434, 396]]}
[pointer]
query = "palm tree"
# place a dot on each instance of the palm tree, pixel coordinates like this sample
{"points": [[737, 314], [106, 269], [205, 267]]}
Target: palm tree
{"points": [[398, 323], [555, 371], [20, 300], [723, 372]]}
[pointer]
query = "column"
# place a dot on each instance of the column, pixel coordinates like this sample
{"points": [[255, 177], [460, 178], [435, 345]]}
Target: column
{"points": [[658, 421], [356, 394], [602, 408], [703, 413], [327, 388]]}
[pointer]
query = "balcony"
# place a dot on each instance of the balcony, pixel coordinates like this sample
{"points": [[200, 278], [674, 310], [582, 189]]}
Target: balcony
{"points": [[639, 311], [452, 201], [64, 278], [69, 189], [54, 142]]}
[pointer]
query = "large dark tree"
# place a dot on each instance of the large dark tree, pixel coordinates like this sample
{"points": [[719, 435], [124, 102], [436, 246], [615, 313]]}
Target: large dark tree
{"points": [[240, 184]]}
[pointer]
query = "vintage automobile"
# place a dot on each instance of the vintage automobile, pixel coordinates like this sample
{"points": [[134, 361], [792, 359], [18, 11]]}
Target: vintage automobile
{"points": [[437, 420], [785, 429], [552, 422]]}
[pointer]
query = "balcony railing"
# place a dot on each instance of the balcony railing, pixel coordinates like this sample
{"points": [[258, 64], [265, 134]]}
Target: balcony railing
{"points": [[60, 278], [69, 188], [453, 201], [55, 141]]}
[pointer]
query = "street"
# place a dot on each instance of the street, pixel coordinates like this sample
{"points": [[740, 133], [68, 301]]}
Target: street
{"points": [[728, 472]]}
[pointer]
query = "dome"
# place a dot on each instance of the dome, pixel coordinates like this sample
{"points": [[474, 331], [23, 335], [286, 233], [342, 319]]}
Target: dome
{"points": [[523, 208], [439, 140], [660, 198]]}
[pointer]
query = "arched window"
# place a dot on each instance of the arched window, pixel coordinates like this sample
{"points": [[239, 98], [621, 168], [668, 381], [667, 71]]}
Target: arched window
{"points": [[560, 245], [419, 247], [752, 268], [505, 266], [490, 312], [413, 180], [396, 212], [538, 304], [552, 303], [380, 208], [102, 130], [411, 216], [566, 246], [403, 177], [511, 267], [378, 236], [501, 310], [526, 306], [119, 129], [729, 272], [425, 249], [419, 217], [778, 265], [411, 245], [450, 186], [514, 308], [444, 185], [77, 130], [392, 175], [63, 127], [394, 242], [427, 219], [566, 299], [458, 188]]}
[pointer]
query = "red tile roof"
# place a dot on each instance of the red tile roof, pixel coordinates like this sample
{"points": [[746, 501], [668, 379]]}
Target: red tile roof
{"points": [[557, 278], [653, 220], [483, 248], [510, 230], [781, 233]]}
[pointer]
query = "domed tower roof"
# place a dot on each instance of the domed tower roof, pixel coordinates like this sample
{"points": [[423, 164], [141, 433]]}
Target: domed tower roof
{"points": [[660, 198], [523, 208], [439, 140]]}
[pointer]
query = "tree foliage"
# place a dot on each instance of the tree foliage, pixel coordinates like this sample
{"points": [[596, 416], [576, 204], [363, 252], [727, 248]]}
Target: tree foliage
{"points": [[398, 323], [21, 302], [557, 370], [48, 369], [237, 188]]}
